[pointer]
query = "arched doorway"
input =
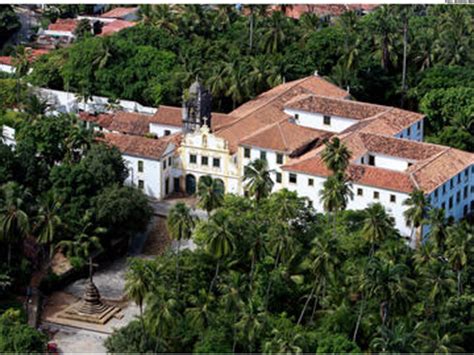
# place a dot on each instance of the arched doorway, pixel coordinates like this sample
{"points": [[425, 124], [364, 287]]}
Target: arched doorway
{"points": [[190, 184], [221, 183]]}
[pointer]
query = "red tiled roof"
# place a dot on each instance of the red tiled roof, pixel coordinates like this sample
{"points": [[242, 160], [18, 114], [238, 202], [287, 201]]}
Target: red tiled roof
{"points": [[172, 116], [285, 137], [130, 123], [33, 54], [63, 25], [296, 11], [103, 120], [267, 108], [139, 146], [119, 12], [115, 26], [6, 60]]}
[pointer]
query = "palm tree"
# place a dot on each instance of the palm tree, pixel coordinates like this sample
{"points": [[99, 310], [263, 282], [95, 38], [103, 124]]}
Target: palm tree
{"points": [[159, 15], [47, 222], [84, 242], [251, 322], [259, 182], [180, 225], [21, 62], [377, 225], [459, 246], [210, 193], [138, 284], [437, 222], [336, 156], [78, 142], [274, 36], [161, 316], [200, 313], [335, 195], [220, 240], [14, 221], [383, 32], [417, 207]]}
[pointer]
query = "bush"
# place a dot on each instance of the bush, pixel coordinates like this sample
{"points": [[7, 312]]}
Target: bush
{"points": [[18, 337]]}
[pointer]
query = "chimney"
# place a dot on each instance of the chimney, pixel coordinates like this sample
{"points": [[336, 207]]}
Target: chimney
{"points": [[348, 89], [316, 73]]}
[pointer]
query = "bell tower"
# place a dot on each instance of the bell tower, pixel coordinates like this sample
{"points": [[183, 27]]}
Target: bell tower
{"points": [[196, 107]]}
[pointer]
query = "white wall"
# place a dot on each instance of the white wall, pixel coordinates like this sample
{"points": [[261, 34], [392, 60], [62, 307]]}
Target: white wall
{"points": [[58, 33], [464, 186], [159, 129], [315, 120], [414, 132], [385, 161], [151, 175], [7, 68], [8, 136]]}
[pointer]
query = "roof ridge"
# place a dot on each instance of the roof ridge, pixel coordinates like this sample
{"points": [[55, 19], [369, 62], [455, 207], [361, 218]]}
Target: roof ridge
{"points": [[262, 129], [285, 143], [431, 159]]}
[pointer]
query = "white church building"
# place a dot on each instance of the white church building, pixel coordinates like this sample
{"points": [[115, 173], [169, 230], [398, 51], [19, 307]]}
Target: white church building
{"points": [[169, 149]]}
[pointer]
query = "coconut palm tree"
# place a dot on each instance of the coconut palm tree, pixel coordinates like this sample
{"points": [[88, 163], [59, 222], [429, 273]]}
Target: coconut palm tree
{"points": [[210, 193], [14, 221], [378, 224], [47, 222], [273, 37], [336, 155], [259, 183], [437, 221], [335, 195], [84, 242], [220, 240], [459, 246], [252, 319], [180, 225], [415, 214], [138, 284], [200, 313]]}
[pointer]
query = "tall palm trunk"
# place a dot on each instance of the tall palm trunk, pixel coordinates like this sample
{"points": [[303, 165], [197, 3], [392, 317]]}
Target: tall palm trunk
{"points": [[404, 70], [459, 282], [251, 24], [214, 279], [359, 318], [267, 292], [306, 304]]}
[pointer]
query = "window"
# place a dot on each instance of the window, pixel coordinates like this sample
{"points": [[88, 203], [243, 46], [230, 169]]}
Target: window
{"points": [[360, 192], [458, 197], [362, 160], [279, 158], [167, 132], [170, 161], [192, 158], [297, 116], [164, 164], [465, 210], [450, 202], [418, 125], [444, 189], [246, 152], [376, 195], [436, 193], [310, 182], [216, 162], [140, 166], [408, 131], [204, 160], [451, 183], [443, 206], [465, 192], [327, 120], [292, 178], [263, 155], [371, 160], [459, 178], [278, 177], [141, 184], [393, 198]]}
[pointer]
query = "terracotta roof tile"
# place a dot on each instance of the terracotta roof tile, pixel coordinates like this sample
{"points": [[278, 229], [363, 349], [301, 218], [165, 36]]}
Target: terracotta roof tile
{"points": [[130, 123], [33, 54], [115, 26], [119, 12], [335, 107], [103, 120], [173, 116], [285, 137], [63, 25], [139, 146]]}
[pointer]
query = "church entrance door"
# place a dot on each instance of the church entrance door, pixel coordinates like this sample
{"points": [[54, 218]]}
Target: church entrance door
{"points": [[190, 184]]}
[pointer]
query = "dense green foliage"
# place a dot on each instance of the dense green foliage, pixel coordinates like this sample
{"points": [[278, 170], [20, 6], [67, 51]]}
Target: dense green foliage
{"points": [[9, 23], [287, 283], [17, 337], [240, 55]]}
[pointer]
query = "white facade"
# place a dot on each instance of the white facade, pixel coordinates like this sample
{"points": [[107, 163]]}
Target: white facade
{"points": [[163, 130], [316, 120], [8, 136], [10, 69], [385, 161]]}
